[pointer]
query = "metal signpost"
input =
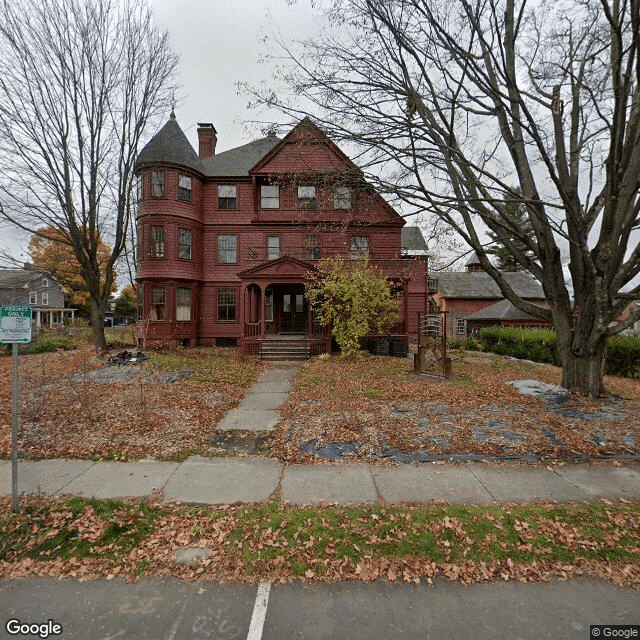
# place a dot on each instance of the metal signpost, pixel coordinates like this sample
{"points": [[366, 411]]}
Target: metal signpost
{"points": [[15, 329]]}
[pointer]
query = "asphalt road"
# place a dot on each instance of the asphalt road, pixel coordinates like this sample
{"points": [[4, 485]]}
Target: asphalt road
{"points": [[167, 609]]}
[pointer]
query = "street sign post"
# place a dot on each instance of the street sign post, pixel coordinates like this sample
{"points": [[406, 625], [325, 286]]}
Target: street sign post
{"points": [[15, 328]]}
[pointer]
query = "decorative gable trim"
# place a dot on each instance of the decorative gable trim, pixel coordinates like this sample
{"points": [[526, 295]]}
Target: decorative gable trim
{"points": [[282, 267]]}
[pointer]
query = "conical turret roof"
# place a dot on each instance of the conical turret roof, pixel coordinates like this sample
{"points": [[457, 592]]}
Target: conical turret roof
{"points": [[170, 146]]}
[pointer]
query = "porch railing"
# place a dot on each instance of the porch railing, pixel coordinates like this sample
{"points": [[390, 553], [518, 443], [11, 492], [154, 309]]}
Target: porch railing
{"points": [[318, 330], [251, 329]]}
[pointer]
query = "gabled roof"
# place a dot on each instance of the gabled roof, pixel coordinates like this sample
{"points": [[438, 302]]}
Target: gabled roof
{"points": [[318, 135], [480, 285], [412, 241], [503, 310], [16, 278], [239, 161], [170, 146], [473, 259]]}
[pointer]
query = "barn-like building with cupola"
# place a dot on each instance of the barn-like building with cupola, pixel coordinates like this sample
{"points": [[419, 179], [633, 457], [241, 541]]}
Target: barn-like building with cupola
{"points": [[226, 240]]}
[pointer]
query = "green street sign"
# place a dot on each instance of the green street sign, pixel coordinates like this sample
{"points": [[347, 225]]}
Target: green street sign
{"points": [[15, 324]]}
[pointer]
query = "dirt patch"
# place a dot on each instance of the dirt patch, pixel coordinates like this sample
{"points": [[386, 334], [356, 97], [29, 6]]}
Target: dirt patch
{"points": [[238, 441]]}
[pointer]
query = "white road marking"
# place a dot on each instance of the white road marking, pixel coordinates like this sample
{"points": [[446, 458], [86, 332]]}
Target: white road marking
{"points": [[259, 611], [171, 634]]}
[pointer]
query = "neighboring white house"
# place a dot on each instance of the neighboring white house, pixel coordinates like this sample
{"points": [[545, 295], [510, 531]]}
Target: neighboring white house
{"points": [[35, 289]]}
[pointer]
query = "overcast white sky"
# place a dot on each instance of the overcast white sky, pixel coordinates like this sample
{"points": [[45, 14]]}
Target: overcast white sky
{"points": [[221, 43]]}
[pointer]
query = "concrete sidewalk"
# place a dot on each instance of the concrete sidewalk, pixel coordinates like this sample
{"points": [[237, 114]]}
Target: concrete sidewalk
{"points": [[240, 480]]}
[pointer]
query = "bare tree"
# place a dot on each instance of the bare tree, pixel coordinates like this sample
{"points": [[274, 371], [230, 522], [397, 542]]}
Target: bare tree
{"points": [[79, 82], [460, 107]]}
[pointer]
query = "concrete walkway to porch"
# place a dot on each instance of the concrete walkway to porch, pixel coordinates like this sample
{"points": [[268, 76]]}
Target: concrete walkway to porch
{"points": [[258, 410]]}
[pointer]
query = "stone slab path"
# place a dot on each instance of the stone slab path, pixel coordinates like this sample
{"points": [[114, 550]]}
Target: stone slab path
{"points": [[258, 410]]}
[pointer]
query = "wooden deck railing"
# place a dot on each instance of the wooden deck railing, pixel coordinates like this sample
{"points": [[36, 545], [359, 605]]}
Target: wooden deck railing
{"points": [[251, 329]]}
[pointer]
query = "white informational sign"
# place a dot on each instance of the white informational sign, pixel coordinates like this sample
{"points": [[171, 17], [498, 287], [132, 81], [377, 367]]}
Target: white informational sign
{"points": [[15, 324]]}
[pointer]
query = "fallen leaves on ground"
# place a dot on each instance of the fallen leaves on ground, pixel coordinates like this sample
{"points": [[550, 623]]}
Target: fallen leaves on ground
{"points": [[277, 542], [66, 412], [379, 404]]}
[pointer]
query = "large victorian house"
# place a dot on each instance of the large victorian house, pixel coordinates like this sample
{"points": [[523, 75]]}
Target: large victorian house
{"points": [[226, 241]]}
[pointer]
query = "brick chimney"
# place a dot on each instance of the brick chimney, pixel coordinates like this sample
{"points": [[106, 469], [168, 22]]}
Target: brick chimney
{"points": [[207, 139]]}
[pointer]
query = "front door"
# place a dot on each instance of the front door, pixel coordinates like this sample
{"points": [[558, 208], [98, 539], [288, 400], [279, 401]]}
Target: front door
{"points": [[293, 313]]}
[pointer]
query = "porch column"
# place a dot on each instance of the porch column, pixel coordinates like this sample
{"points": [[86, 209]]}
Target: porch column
{"points": [[262, 308], [309, 319], [51, 318], [253, 303], [405, 301]]}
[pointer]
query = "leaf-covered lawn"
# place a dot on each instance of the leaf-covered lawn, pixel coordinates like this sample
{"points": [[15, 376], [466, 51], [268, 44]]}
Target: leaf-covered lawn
{"points": [[85, 539], [66, 412], [379, 404]]}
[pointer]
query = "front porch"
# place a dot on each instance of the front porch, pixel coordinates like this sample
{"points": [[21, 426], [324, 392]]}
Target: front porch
{"points": [[279, 322]]}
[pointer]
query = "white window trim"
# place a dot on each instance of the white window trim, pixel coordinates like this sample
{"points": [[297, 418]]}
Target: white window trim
{"points": [[45, 299]]}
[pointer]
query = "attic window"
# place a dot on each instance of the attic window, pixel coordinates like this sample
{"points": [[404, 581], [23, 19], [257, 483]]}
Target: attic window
{"points": [[184, 188], [342, 198], [269, 197], [45, 283], [227, 198], [306, 197], [157, 184]]}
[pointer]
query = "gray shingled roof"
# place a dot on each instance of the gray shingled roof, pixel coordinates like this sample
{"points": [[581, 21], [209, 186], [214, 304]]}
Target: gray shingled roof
{"points": [[503, 310], [170, 145], [473, 259], [16, 278], [237, 162], [412, 240], [478, 284]]}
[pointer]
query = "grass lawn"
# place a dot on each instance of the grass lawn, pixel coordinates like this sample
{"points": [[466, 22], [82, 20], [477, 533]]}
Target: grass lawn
{"points": [[378, 403], [81, 538]]}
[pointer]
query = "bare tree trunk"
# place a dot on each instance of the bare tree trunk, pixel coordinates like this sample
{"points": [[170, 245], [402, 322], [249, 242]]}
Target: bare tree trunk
{"points": [[98, 313], [583, 359], [80, 81]]}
